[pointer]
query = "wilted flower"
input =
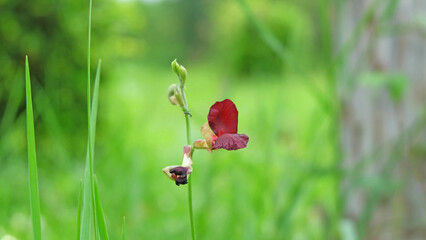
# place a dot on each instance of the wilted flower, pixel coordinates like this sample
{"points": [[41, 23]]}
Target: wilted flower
{"points": [[221, 129], [180, 174]]}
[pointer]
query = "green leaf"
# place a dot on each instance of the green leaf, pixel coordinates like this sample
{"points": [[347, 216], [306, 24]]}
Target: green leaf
{"points": [[101, 226], [32, 159], [397, 86], [395, 83]]}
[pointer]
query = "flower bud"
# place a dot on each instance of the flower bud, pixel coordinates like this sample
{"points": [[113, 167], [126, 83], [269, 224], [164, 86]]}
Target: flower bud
{"points": [[180, 71], [175, 95], [175, 67], [172, 89], [182, 74]]}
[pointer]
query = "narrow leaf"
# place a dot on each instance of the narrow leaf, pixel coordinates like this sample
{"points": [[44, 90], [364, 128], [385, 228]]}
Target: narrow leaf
{"points": [[32, 160], [80, 199], [93, 117], [88, 193], [95, 101], [88, 202], [101, 226], [86, 207]]}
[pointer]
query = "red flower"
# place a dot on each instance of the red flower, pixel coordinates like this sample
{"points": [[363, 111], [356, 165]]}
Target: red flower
{"points": [[221, 131]]}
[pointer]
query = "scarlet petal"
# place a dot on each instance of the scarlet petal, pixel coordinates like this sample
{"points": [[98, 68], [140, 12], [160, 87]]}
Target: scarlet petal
{"points": [[223, 117], [231, 141]]}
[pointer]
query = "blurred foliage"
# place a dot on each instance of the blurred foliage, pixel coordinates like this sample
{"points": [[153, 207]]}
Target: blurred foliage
{"points": [[240, 46], [395, 83]]}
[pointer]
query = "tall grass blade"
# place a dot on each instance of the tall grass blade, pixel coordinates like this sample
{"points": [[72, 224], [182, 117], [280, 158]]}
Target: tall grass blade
{"points": [[101, 226], [94, 116], [88, 203], [86, 207], [123, 229], [80, 199], [95, 102], [32, 160]]}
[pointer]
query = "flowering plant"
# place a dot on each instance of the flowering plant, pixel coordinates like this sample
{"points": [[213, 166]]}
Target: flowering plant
{"points": [[219, 132]]}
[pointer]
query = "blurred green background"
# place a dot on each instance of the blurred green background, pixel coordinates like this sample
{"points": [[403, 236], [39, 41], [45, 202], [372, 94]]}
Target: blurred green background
{"points": [[330, 92]]}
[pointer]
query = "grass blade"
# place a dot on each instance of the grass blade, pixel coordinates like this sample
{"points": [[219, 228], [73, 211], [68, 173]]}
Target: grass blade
{"points": [[90, 123], [88, 193], [95, 102], [32, 159], [93, 118], [86, 207], [123, 229], [101, 226], [80, 199], [88, 203]]}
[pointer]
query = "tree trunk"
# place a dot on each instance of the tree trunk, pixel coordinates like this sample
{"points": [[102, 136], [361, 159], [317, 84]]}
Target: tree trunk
{"points": [[382, 86]]}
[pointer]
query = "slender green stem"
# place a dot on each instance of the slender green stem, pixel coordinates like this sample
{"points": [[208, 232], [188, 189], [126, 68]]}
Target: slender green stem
{"points": [[188, 134], [88, 79], [191, 218], [188, 142]]}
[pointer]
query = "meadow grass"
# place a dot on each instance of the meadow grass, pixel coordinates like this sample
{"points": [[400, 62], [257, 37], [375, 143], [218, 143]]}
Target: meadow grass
{"points": [[91, 203]]}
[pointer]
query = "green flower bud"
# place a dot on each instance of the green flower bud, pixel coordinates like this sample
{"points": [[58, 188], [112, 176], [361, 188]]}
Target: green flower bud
{"points": [[179, 70], [182, 74], [175, 95], [176, 67], [179, 98], [172, 89]]}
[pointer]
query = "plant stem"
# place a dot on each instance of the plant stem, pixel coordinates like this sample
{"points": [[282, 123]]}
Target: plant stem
{"points": [[191, 218], [188, 142]]}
